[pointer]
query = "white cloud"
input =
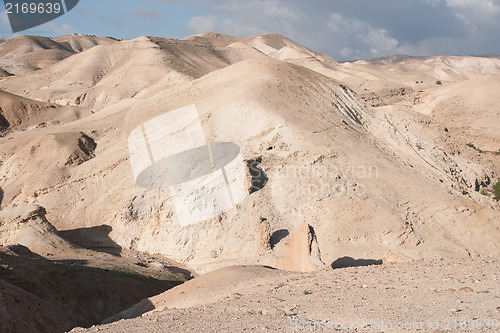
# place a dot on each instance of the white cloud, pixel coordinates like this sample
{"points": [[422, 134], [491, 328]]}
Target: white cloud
{"points": [[200, 24], [48, 29], [333, 33], [472, 12], [370, 41], [361, 28]]}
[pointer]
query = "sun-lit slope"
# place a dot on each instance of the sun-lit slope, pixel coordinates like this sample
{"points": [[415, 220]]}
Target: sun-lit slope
{"points": [[25, 54], [81, 79], [80, 43], [362, 199], [22, 45], [443, 110], [213, 39], [107, 74], [271, 44], [283, 48], [17, 113], [202, 54], [416, 73], [472, 106], [332, 162]]}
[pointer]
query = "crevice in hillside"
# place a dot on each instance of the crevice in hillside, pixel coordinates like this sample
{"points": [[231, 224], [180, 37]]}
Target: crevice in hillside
{"points": [[259, 177], [278, 236], [85, 150], [4, 123]]}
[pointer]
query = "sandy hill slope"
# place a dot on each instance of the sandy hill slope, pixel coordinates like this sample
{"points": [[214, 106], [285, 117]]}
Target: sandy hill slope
{"points": [[29, 53], [349, 149], [362, 161], [212, 38], [108, 74], [356, 299], [367, 180], [282, 48], [80, 43], [417, 73], [48, 284], [22, 45], [18, 113], [50, 295]]}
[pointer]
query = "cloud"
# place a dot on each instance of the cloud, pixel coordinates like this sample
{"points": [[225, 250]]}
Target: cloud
{"points": [[359, 28], [47, 29], [147, 13], [200, 24], [360, 38]]}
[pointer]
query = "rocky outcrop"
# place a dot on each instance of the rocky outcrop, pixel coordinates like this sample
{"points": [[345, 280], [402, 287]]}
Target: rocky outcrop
{"points": [[263, 231], [28, 226], [40, 295], [83, 151], [301, 251]]}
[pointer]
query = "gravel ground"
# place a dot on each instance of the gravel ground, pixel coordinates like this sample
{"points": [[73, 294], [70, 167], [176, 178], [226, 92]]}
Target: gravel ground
{"points": [[423, 296]]}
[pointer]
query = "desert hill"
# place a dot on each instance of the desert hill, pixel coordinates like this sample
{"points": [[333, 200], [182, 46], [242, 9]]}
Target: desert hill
{"points": [[301, 119], [389, 159], [18, 112], [24, 54], [49, 284], [50, 295]]}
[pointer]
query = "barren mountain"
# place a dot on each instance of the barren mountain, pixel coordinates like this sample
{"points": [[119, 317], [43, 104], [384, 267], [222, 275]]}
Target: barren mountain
{"points": [[24, 54], [18, 112], [368, 160]]}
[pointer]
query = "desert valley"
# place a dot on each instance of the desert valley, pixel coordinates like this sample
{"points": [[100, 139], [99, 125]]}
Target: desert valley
{"points": [[371, 189]]}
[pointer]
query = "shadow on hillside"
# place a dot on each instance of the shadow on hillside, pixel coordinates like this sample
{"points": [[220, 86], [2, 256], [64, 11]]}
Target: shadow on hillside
{"points": [[278, 236], [4, 123], [177, 270], [1, 197], [259, 177], [135, 311], [56, 296], [345, 262], [93, 238]]}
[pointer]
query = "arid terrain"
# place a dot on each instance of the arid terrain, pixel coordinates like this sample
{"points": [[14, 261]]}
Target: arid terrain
{"points": [[371, 189]]}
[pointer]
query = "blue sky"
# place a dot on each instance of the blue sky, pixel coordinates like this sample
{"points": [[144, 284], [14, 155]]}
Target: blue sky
{"points": [[121, 19], [345, 29]]}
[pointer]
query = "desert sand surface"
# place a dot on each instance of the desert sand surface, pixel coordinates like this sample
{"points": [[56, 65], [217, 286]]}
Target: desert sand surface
{"points": [[436, 296], [390, 162]]}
